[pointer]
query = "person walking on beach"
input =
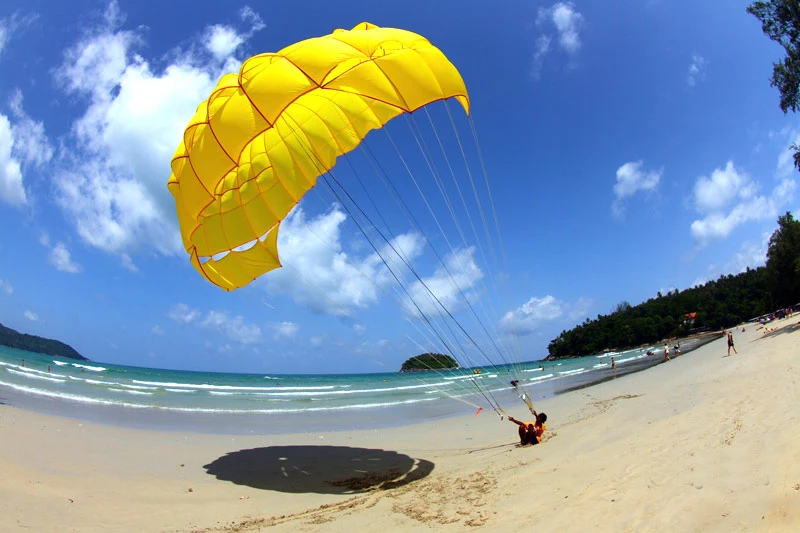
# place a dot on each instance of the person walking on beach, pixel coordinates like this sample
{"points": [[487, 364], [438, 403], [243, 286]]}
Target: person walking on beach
{"points": [[730, 343], [531, 432], [666, 352]]}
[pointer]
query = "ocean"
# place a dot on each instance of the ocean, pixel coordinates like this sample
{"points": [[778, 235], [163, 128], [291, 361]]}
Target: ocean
{"points": [[232, 403]]}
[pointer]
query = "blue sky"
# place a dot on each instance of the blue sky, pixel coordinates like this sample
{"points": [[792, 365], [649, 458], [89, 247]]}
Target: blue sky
{"points": [[631, 147]]}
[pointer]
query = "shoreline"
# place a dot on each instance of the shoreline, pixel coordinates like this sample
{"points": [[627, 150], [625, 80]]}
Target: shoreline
{"points": [[703, 443], [356, 418]]}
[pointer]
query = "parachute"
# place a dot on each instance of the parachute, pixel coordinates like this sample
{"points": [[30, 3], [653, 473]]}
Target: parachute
{"points": [[266, 134], [259, 142]]}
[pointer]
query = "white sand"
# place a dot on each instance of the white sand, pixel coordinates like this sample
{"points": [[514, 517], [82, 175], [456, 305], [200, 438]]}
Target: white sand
{"points": [[702, 443]]}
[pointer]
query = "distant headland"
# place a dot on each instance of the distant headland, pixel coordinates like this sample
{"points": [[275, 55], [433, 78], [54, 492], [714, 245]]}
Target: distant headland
{"points": [[33, 343]]}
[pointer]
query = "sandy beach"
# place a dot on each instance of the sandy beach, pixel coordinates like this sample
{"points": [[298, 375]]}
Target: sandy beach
{"points": [[702, 443]]}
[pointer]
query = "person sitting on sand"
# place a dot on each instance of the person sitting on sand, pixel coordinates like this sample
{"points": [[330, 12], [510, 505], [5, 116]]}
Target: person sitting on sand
{"points": [[531, 432]]}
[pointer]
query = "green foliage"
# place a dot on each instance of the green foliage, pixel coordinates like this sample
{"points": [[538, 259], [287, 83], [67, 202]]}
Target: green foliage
{"points": [[717, 304], [783, 262], [34, 343], [780, 21], [429, 361]]}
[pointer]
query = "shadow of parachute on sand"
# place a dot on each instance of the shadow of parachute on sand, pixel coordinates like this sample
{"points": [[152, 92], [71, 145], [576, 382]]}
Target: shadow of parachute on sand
{"points": [[319, 469]]}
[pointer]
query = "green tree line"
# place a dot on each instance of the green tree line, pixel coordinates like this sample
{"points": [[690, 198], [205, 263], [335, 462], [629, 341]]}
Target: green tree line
{"points": [[729, 300]]}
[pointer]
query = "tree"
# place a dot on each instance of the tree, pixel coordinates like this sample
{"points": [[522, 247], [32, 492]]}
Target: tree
{"points": [[783, 261], [780, 21]]}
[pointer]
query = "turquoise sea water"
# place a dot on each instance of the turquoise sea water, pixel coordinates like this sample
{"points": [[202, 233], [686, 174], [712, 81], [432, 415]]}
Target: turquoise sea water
{"points": [[157, 397]]}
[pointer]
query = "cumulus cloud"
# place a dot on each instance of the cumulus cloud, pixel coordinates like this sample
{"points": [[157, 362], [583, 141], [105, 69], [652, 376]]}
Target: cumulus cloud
{"points": [[526, 318], [320, 275], [61, 259], [531, 315], [452, 284], [632, 178], [30, 315], [111, 184], [222, 41], [563, 22], [729, 198], [697, 70], [23, 145]]}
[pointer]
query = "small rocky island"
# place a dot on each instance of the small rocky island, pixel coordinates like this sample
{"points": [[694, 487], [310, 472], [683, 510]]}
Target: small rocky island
{"points": [[429, 361], [33, 343]]}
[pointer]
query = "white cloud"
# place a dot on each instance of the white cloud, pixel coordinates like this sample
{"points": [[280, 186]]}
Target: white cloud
{"points": [[567, 22], [316, 341], [234, 328], [359, 329], [157, 330], [30, 315], [12, 191], [4, 34], [631, 178], [6, 287], [320, 275], [112, 185], [451, 286], [286, 330], [10, 25], [23, 144], [541, 49], [697, 70], [222, 41], [183, 314], [721, 188], [728, 198], [526, 318], [749, 255], [60, 258]]}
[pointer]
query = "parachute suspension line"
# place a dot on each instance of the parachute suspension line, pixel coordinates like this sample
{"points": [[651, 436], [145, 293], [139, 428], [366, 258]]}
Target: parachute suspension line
{"points": [[500, 243], [475, 192], [459, 379], [458, 188], [420, 139], [438, 256], [328, 175], [426, 155], [488, 190], [456, 382], [514, 348], [325, 295], [472, 183]]}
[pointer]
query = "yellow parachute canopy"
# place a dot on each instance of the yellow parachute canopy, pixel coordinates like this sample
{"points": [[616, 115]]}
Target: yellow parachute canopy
{"points": [[258, 144]]}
